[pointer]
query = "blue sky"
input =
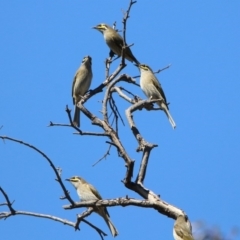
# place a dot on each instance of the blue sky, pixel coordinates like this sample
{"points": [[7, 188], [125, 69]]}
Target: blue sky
{"points": [[196, 167]]}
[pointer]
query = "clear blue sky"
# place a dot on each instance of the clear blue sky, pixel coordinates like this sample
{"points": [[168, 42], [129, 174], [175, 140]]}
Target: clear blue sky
{"points": [[196, 167]]}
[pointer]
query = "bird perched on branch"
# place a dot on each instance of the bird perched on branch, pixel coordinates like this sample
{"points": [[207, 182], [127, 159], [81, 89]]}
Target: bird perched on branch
{"points": [[115, 42], [153, 90], [182, 229], [88, 192], [81, 83]]}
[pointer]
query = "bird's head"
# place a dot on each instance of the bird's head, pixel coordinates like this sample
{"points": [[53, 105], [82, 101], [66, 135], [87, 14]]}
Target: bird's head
{"points": [[76, 181], [102, 27], [143, 67], [87, 60]]}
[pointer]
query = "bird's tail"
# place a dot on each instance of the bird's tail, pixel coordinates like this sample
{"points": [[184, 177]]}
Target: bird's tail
{"points": [[165, 109], [110, 225], [129, 56], [170, 118], [76, 118]]}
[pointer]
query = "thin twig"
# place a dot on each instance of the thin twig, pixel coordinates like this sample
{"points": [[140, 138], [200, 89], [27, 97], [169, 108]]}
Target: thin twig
{"points": [[104, 156], [158, 71], [125, 18], [122, 95], [9, 204], [92, 134]]}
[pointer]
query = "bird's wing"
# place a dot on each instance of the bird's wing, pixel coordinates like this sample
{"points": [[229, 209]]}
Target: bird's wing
{"points": [[159, 88], [117, 39], [74, 81], [94, 191], [98, 196]]}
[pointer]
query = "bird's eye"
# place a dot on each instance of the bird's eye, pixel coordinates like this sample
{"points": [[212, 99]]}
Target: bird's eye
{"points": [[144, 67]]}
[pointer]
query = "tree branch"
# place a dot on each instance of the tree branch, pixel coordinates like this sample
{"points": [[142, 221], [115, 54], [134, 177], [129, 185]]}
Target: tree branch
{"points": [[59, 180], [159, 205]]}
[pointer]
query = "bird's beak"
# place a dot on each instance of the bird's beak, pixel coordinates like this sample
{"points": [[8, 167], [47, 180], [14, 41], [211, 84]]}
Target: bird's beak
{"points": [[94, 27], [67, 179], [136, 65]]}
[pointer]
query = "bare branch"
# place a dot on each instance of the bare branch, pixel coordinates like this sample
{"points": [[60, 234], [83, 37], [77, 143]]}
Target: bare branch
{"points": [[4, 215], [137, 106], [158, 71], [8, 203], [126, 16], [68, 111], [3, 204], [59, 180], [64, 221], [121, 94], [104, 156], [92, 134], [116, 113], [99, 231], [144, 164], [123, 77], [80, 217], [159, 205]]}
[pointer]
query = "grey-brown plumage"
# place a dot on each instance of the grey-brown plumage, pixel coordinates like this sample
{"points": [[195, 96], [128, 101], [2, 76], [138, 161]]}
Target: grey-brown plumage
{"points": [[87, 192], [81, 83], [115, 41], [182, 229], [152, 89]]}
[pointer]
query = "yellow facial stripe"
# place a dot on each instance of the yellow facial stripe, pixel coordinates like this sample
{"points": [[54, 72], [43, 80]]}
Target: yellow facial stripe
{"points": [[145, 67], [102, 26], [74, 179]]}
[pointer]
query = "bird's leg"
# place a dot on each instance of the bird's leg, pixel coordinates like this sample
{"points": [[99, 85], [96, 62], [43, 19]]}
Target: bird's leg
{"points": [[115, 58], [111, 54]]}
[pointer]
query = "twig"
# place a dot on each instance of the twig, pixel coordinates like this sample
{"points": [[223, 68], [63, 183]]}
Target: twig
{"points": [[80, 217], [54, 218], [123, 77], [122, 95], [126, 16], [9, 204], [104, 156], [92, 134], [100, 232], [138, 105], [114, 108], [158, 71]]}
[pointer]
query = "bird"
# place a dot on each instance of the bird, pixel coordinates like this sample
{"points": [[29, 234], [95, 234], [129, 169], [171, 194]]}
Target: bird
{"points": [[153, 90], [115, 41], [81, 83], [87, 192], [182, 229]]}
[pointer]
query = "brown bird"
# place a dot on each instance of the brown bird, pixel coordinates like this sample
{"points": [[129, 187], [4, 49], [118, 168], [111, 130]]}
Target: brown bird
{"points": [[81, 83], [115, 42], [153, 90], [88, 192]]}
